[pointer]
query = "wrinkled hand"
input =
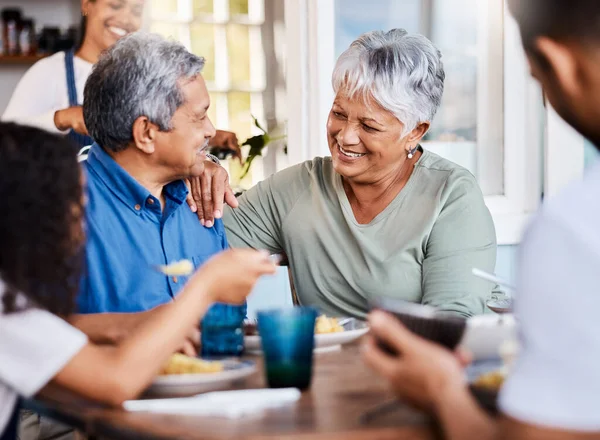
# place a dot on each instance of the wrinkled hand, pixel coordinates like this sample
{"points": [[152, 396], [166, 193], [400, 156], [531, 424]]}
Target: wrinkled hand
{"points": [[423, 373], [71, 118], [229, 276], [208, 192], [227, 140]]}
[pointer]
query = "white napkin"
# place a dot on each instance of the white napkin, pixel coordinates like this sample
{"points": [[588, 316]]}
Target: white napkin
{"points": [[230, 404]]}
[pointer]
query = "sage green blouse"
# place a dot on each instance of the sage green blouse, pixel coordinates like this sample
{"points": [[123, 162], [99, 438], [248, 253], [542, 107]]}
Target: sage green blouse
{"points": [[420, 248]]}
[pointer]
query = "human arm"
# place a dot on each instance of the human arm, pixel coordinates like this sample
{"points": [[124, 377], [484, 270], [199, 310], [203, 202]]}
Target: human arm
{"points": [[258, 221], [70, 118], [228, 141], [430, 377], [209, 192], [35, 102], [108, 328], [115, 374], [552, 391], [462, 237], [112, 328]]}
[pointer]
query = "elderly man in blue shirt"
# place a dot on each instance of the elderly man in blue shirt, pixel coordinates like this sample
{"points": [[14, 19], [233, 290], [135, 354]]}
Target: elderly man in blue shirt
{"points": [[146, 106]]}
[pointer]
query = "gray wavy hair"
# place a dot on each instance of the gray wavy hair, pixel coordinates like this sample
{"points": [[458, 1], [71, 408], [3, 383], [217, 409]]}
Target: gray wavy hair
{"points": [[139, 76], [403, 73]]}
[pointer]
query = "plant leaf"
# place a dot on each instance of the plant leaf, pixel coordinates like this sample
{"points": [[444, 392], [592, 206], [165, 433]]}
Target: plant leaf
{"points": [[258, 125]]}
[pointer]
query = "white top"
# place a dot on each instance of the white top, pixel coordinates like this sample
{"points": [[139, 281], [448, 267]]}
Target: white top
{"points": [[43, 90], [556, 378], [34, 346]]}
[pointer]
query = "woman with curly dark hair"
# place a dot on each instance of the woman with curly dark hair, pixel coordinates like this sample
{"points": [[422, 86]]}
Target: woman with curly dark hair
{"points": [[41, 239]]}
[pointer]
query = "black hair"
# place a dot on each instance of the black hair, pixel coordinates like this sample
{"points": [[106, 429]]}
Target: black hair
{"points": [[41, 231], [82, 30], [567, 20], [81, 33]]}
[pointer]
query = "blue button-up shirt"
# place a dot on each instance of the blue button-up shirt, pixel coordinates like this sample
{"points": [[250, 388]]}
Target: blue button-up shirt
{"points": [[127, 233]]}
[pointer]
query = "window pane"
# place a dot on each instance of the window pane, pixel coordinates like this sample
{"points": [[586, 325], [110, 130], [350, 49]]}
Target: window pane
{"points": [[160, 8], [212, 110], [238, 7], [452, 26], [238, 48], [202, 37], [168, 30], [203, 7], [453, 29], [240, 119]]}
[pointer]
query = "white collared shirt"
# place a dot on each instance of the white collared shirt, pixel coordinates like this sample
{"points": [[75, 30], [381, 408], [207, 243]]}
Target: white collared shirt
{"points": [[34, 346], [556, 379]]}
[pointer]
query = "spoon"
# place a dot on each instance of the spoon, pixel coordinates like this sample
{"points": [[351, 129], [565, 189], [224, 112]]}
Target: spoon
{"points": [[493, 278], [504, 305]]}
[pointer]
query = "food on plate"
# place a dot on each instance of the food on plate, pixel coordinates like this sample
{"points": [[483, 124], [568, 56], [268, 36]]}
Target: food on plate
{"points": [[327, 325], [323, 325], [182, 364], [178, 268], [492, 381]]}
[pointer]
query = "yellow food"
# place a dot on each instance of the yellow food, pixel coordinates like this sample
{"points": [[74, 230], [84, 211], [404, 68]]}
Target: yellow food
{"points": [[178, 268], [491, 381], [327, 325], [182, 364]]}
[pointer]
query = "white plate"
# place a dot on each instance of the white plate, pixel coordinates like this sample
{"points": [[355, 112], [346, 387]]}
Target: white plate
{"points": [[323, 341], [188, 384]]}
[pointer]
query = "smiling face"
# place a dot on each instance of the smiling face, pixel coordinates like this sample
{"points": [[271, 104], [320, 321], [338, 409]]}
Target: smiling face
{"points": [[365, 140], [182, 150], [110, 20]]}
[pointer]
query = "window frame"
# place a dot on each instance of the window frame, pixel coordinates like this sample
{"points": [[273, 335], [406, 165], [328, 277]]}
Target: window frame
{"points": [[258, 88]]}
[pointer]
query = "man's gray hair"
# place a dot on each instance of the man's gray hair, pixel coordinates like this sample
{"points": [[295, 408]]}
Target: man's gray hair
{"points": [[403, 73], [139, 76]]}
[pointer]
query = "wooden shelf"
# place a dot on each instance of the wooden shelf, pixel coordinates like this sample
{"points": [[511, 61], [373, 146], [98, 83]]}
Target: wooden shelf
{"points": [[20, 59]]}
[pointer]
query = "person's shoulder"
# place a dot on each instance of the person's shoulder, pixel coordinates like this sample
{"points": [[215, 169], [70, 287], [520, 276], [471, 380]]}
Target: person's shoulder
{"points": [[434, 164], [574, 210], [450, 176], [299, 176]]}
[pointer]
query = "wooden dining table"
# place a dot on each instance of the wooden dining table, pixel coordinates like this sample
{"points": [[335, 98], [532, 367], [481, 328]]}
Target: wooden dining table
{"points": [[343, 402]]}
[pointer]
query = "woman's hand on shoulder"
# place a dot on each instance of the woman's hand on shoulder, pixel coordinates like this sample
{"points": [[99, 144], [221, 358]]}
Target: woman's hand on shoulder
{"points": [[71, 118]]}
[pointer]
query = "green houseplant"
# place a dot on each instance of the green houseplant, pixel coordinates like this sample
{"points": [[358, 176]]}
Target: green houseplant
{"points": [[257, 144]]}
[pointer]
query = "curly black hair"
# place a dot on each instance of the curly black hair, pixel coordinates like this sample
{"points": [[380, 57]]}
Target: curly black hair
{"points": [[41, 212]]}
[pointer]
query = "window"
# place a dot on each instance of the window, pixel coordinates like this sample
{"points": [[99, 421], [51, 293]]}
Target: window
{"points": [[491, 120], [230, 34]]}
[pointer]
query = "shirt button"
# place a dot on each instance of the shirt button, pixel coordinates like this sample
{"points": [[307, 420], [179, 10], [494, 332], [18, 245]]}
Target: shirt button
{"points": [[174, 279], [137, 207], [150, 201]]}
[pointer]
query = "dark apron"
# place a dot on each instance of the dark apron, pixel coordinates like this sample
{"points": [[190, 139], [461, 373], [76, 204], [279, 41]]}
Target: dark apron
{"points": [[79, 139], [10, 432]]}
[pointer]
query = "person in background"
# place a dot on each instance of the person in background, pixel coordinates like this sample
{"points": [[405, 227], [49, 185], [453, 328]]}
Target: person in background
{"points": [[41, 243], [50, 94], [553, 388]]}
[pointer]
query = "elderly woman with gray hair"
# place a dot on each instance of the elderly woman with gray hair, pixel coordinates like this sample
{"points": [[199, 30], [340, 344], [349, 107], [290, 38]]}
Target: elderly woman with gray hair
{"points": [[382, 215]]}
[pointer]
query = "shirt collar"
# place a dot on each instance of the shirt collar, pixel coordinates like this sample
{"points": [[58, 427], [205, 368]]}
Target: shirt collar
{"points": [[125, 187]]}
